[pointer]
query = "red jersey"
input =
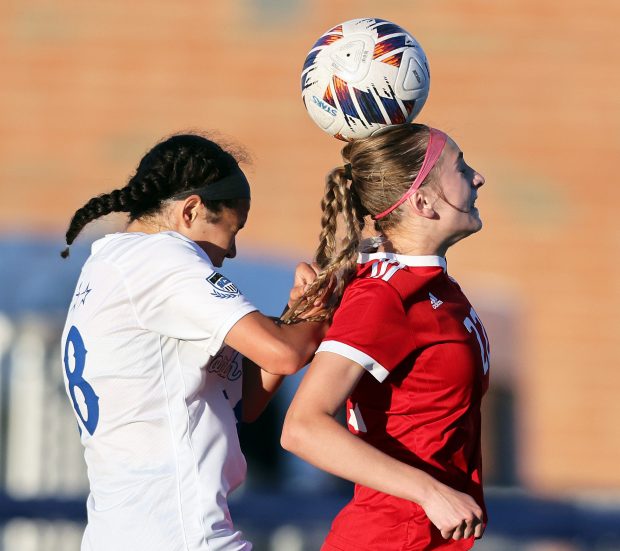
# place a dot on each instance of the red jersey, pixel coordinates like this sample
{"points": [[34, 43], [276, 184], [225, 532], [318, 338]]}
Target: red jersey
{"points": [[426, 354]]}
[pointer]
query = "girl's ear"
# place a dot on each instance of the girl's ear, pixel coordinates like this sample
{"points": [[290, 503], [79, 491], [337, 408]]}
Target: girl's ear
{"points": [[421, 203], [190, 210]]}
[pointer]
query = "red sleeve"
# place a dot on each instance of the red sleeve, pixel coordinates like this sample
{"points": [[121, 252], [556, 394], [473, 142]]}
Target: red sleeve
{"points": [[370, 327]]}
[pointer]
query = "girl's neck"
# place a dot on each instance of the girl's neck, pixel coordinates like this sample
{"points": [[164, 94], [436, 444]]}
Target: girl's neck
{"points": [[414, 247], [146, 225]]}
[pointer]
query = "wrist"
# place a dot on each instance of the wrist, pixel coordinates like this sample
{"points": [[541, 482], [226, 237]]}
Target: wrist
{"points": [[276, 320], [424, 486]]}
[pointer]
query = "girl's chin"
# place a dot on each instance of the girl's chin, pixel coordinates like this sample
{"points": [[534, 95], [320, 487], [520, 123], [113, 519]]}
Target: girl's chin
{"points": [[476, 219]]}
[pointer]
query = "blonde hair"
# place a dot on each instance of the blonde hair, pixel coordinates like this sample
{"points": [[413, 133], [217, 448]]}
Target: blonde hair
{"points": [[382, 168]]}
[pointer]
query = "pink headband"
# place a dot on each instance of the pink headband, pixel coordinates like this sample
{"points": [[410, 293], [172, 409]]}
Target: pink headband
{"points": [[436, 143]]}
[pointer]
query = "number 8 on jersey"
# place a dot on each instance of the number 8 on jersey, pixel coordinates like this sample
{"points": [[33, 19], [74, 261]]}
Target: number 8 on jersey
{"points": [[75, 379]]}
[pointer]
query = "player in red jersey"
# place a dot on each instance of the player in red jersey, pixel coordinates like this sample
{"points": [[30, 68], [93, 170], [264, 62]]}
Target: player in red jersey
{"points": [[406, 350]]}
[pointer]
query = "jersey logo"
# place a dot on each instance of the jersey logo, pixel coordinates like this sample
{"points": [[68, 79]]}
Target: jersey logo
{"points": [[435, 302], [227, 364], [385, 269], [80, 295], [222, 286]]}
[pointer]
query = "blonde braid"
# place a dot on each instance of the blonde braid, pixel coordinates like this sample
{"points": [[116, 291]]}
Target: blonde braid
{"points": [[381, 169], [336, 201], [330, 208]]}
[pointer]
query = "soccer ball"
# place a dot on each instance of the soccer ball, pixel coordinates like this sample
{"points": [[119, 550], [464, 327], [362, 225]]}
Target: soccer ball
{"points": [[363, 75]]}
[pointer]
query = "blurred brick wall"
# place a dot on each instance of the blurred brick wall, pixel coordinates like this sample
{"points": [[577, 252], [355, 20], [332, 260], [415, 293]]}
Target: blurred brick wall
{"points": [[530, 89]]}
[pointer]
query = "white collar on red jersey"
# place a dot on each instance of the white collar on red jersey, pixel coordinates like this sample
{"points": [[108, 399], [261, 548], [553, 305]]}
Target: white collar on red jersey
{"points": [[415, 261]]}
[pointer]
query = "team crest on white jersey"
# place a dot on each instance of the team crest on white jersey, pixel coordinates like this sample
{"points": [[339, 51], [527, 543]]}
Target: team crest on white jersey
{"points": [[222, 286], [435, 302]]}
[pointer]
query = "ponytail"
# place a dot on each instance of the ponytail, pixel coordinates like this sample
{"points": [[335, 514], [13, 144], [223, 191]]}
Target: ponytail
{"points": [[380, 169], [119, 200], [337, 266], [180, 163]]}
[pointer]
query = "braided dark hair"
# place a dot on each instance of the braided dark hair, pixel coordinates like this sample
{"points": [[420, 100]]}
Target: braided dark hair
{"points": [[179, 163]]}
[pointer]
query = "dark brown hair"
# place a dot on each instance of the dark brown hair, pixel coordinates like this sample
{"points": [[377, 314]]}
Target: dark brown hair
{"points": [[179, 163]]}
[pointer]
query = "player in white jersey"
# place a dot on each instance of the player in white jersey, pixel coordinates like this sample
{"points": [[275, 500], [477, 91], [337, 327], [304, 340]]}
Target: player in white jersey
{"points": [[153, 348]]}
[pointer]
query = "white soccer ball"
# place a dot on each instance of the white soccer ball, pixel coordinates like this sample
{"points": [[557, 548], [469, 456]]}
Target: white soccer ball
{"points": [[363, 75]]}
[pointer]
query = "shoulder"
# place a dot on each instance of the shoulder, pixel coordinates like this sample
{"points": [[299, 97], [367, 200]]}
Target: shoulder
{"points": [[368, 298], [156, 251], [406, 276], [178, 247]]}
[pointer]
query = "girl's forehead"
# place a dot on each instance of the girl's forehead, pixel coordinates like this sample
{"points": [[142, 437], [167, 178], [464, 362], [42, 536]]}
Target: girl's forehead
{"points": [[452, 147], [449, 156]]}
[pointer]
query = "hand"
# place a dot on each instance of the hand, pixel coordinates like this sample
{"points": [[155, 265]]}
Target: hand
{"points": [[305, 274], [455, 514], [300, 306]]}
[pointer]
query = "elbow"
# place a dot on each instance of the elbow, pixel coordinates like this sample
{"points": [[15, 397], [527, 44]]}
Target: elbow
{"points": [[286, 361], [292, 435], [289, 366]]}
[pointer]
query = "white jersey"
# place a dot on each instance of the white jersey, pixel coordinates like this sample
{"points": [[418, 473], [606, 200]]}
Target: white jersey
{"points": [[154, 391]]}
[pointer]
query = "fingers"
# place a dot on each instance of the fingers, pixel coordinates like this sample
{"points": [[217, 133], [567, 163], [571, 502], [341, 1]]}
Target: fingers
{"points": [[469, 527], [295, 294], [465, 530], [479, 530], [455, 514], [304, 274], [305, 277]]}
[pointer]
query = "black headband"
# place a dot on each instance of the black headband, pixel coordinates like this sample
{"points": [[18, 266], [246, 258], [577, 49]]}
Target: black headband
{"points": [[234, 186]]}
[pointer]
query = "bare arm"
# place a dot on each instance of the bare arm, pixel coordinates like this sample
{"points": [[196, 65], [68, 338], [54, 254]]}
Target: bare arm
{"points": [[311, 432], [278, 349], [259, 386]]}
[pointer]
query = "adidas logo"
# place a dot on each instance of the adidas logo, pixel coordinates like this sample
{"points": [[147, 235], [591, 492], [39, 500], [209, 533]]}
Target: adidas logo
{"points": [[435, 302]]}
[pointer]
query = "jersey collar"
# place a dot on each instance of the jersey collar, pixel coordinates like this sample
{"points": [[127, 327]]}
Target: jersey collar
{"points": [[102, 241], [407, 260]]}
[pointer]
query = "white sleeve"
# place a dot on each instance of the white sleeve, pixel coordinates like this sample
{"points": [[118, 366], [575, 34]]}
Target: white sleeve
{"points": [[177, 292]]}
